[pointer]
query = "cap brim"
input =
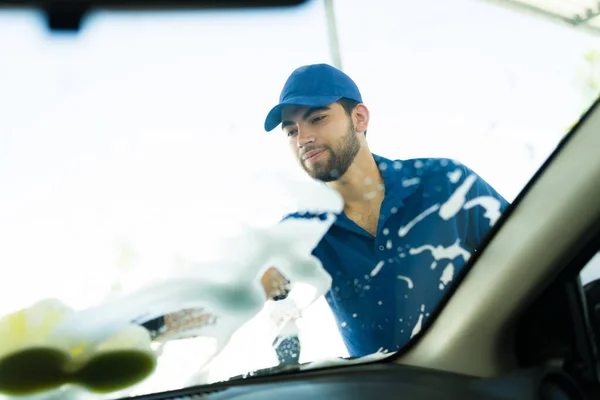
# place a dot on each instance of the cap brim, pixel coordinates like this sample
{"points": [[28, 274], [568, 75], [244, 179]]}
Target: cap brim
{"points": [[274, 116]]}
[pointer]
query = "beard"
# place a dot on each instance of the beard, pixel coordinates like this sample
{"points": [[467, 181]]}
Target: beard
{"points": [[339, 159]]}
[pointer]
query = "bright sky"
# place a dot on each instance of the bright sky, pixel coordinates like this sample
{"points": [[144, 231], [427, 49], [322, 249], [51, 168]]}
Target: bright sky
{"points": [[136, 142]]}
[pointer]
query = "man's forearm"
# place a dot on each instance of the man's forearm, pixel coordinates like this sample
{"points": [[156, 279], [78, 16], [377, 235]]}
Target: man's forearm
{"points": [[179, 325], [275, 285]]}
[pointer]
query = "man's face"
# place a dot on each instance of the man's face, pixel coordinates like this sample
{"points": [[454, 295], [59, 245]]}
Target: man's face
{"points": [[324, 139]]}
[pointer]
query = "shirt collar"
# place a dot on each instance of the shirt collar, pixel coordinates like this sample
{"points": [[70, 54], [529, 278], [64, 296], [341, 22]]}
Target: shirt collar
{"points": [[394, 179]]}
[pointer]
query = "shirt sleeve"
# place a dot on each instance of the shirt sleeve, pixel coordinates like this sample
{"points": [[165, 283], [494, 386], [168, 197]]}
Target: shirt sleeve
{"points": [[484, 206], [283, 294]]}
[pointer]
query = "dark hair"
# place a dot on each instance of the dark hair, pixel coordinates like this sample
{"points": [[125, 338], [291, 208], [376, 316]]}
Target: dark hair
{"points": [[348, 106]]}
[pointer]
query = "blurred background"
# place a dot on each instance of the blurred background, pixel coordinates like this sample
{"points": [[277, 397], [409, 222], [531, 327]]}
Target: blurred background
{"points": [[132, 148]]}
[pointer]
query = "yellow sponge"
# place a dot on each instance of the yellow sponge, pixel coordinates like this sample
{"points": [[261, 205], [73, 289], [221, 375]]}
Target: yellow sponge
{"points": [[33, 359]]}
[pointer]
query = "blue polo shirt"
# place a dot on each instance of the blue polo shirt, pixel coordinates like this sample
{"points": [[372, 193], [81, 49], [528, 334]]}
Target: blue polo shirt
{"points": [[433, 216]]}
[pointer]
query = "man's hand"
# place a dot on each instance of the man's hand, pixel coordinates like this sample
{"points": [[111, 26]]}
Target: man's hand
{"points": [[274, 284], [185, 324]]}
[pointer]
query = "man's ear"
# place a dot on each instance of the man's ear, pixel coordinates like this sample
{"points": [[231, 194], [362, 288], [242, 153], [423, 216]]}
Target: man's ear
{"points": [[361, 117]]}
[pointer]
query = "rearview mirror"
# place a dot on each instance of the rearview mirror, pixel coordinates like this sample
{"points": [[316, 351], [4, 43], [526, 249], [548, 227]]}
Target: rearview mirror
{"points": [[66, 15]]}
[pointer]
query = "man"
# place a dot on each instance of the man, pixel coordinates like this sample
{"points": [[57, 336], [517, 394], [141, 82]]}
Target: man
{"points": [[407, 227]]}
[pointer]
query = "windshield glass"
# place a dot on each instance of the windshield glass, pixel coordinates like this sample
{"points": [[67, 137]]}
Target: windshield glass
{"points": [[189, 198]]}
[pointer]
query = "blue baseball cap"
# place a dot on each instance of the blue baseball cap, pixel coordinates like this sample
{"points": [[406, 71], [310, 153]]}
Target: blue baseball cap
{"points": [[315, 85]]}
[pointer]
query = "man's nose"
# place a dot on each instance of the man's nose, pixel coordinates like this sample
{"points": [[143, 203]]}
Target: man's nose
{"points": [[305, 136]]}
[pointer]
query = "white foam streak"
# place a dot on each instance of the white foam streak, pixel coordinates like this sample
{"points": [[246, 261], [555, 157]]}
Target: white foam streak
{"points": [[455, 176], [447, 276], [440, 252], [419, 324], [454, 204], [377, 268], [405, 229], [408, 281], [411, 182], [491, 205]]}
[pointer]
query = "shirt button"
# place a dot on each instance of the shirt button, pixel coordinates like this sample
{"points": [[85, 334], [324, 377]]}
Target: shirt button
{"points": [[381, 248]]}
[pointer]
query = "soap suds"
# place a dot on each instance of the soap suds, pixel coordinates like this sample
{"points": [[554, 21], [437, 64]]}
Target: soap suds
{"points": [[234, 294], [455, 176], [456, 201], [408, 281], [380, 355], [377, 268], [440, 252], [411, 182], [419, 323], [491, 205], [370, 195], [447, 276], [405, 229]]}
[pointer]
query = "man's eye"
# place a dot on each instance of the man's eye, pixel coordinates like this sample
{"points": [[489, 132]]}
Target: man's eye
{"points": [[318, 119], [291, 133]]}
